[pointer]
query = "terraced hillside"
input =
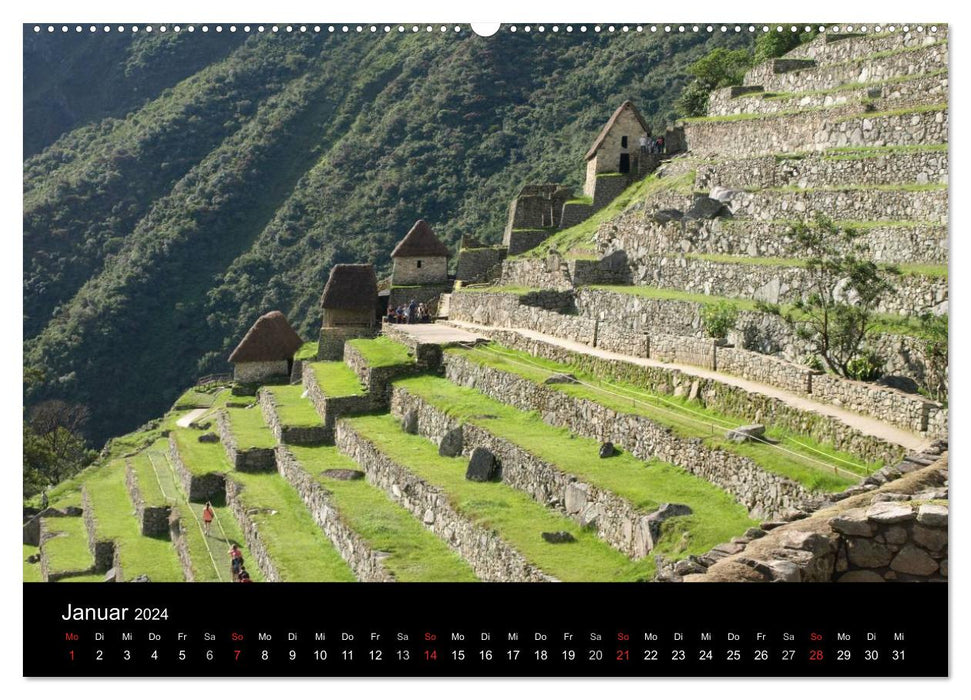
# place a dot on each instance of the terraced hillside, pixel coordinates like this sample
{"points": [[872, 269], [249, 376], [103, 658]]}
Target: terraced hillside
{"points": [[573, 421]]}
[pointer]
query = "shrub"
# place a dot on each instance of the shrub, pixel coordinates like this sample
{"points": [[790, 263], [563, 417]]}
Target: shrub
{"points": [[718, 319]]}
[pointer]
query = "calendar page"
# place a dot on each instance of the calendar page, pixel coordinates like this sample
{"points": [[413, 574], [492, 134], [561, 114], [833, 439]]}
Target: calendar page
{"points": [[527, 349]]}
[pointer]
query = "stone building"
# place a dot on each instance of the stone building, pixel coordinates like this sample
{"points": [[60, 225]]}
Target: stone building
{"points": [[616, 150], [348, 303], [266, 351], [419, 258], [533, 215]]}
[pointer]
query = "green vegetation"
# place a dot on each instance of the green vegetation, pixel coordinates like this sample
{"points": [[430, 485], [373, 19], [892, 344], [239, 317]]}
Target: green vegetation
{"points": [[210, 184], [917, 109], [147, 465], [857, 152], [511, 514], [718, 319], [113, 517], [297, 547], [32, 572], [337, 379], [883, 323], [307, 351], [68, 550], [200, 397], [799, 457], [413, 553], [249, 428], [382, 351], [582, 199], [498, 289], [292, 407], [200, 458], [848, 87], [579, 238]]}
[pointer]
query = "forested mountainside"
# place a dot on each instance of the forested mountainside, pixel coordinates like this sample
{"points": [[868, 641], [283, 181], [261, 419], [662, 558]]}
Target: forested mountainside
{"points": [[201, 184]]}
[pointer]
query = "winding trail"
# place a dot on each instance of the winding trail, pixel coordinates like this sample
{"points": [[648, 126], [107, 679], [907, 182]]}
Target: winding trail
{"points": [[865, 424], [186, 420]]}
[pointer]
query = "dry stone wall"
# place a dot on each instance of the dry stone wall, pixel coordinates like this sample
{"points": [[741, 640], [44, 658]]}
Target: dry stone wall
{"points": [[198, 488], [364, 561], [506, 309], [153, 520], [479, 264], [47, 573], [289, 434], [617, 522], [928, 205], [491, 558], [722, 398], [103, 551], [255, 459], [330, 408], [833, 47], [251, 532], [764, 494], [815, 130]]}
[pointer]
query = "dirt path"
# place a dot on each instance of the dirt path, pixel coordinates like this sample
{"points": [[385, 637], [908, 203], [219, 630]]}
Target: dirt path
{"points": [[186, 420], [865, 424]]}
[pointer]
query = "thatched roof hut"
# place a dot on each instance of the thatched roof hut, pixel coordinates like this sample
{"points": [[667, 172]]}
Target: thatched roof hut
{"points": [[350, 287], [270, 339], [420, 242]]}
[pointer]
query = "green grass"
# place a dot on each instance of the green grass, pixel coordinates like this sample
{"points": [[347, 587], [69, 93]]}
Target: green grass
{"points": [[208, 554], [148, 475], [85, 578], [883, 323], [382, 351], [513, 515], [31, 571], [919, 269], [337, 379], [913, 187], [579, 238], [249, 428], [646, 485], [297, 547], [499, 289], [200, 458], [805, 465], [292, 407], [69, 550], [582, 199], [115, 520], [413, 553], [920, 109], [199, 397], [749, 116], [858, 152], [846, 87], [307, 351]]}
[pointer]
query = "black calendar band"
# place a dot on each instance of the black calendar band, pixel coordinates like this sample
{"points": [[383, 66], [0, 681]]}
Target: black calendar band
{"points": [[346, 630]]}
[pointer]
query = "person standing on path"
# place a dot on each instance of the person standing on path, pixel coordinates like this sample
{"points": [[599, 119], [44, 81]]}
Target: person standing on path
{"points": [[207, 516], [235, 561]]}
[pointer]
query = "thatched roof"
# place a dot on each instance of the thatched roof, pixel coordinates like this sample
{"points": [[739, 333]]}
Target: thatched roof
{"points": [[610, 125], [351, 287], [271, 338], [420, 243]]}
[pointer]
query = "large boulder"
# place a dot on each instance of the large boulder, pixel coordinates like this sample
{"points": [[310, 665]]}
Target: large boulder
{"points": [[722, 194], [208, 437], [410, 423], [558, 537], [747, 433], [607, 450], [665, 216], [560, 378], [483, 466], [706, 208], [451, 445], [343, 474]]}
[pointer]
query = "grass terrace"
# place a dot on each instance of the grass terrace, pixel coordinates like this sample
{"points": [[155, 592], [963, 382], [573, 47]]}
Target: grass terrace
{"points": [[337, 379], [297, 547], [199, 397], [382, 351], [499, 289], [646, 485], [31, 571], [69, 550], [292, 406], [249, 428], [579, 239], [307, 351], [413, 553], [113, 517], [848, 87], [859, 152], [884, 323], [200, 458], [802, 459], [148, 469], [513, 515]]}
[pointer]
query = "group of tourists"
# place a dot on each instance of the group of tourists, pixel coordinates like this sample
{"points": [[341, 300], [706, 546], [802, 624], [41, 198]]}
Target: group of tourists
{"points": [[412, 312], [652, 146], [240, 574]]}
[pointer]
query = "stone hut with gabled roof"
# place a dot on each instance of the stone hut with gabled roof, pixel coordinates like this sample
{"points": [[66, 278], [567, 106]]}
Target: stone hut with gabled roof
{"points": [[266, 351], [420, 258], [349, 305], [616, 150]]}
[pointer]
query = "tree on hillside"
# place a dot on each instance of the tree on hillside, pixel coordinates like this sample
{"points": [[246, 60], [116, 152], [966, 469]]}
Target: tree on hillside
{"points": [[842, 291], [934, 331], [774, 43], [720, 68]]}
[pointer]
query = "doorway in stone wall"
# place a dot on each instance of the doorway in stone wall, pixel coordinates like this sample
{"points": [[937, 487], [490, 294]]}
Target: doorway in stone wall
{"points": [[625, 162]]}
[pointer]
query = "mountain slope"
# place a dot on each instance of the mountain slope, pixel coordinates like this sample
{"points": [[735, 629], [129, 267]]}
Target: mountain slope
{"points": [[152, 242]]}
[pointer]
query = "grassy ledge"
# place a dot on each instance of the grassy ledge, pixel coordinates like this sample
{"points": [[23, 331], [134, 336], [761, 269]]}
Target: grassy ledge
{"points": [[68, 551], [382, 351], [297, 547], [413, 553], [336, 379], [249, 428], [307, 351], [513, 515], [804, 460], [914, 269], [200, 458], [292, 407]]}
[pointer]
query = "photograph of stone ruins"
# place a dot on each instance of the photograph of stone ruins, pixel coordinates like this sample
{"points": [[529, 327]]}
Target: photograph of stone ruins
{"points": [[620, 306]]}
